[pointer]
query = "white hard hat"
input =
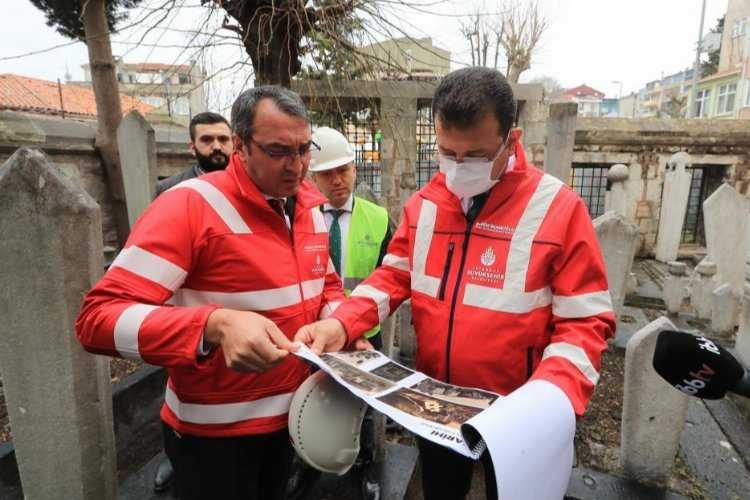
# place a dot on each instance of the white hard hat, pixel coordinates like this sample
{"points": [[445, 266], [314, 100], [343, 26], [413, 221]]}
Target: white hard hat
{"points": [[324, 424], [335, 150]]}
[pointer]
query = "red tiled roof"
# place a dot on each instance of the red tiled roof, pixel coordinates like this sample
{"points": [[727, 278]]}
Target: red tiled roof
{"points": [[583, 90], [41, 96]]}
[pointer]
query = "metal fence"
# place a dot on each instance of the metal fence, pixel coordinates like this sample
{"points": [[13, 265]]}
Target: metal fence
{"points": [[706, 179], [590, 181], [426, 148]]}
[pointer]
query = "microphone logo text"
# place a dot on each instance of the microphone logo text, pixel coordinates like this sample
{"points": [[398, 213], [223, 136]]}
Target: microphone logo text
{"points": [[698, 380], [704, 343]]}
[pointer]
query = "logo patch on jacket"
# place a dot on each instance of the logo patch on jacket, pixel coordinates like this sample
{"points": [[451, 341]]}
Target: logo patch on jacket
{"points": [[486, 273], [488, 257], [318, 268]]}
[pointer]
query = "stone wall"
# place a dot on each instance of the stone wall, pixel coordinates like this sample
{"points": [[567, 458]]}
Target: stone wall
{"points": [[642, 145], [646, 146], [70, 145]]}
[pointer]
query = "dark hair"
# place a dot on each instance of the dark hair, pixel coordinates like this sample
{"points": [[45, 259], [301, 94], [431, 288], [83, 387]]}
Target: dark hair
{"points": [[243, 109], [205, 118], [466, 95]]}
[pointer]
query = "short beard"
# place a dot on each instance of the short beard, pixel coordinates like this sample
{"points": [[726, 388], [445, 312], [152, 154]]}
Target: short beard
{"points": [[217, 160]]}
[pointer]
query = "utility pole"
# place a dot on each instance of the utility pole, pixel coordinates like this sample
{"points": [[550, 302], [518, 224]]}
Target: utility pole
{"points": [[696, 66]]}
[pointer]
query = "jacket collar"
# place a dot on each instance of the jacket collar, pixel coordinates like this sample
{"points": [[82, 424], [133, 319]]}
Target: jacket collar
{"points": [[308, 195]]}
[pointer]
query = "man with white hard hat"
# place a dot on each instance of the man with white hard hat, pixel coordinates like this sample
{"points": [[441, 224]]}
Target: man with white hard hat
{"points": [[359, 232]]}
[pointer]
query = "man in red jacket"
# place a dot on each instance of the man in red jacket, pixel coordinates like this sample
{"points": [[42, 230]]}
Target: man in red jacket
{"points": [[216, 277], [502, 266]]}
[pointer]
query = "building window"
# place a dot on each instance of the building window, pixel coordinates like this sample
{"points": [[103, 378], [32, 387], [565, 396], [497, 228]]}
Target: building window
{"points": [[181, 106], [701, 103], [725, 103], [156, 102], [184, 78], [706, 179], [739, 28]]}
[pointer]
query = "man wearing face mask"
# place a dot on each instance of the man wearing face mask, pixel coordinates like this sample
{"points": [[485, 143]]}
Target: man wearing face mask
{"points": [[210, 144], [501, 263]]}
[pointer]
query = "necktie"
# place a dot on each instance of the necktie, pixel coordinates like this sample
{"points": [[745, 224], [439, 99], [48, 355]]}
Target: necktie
{"points": [[278, 207], [334, 240], [477, 202]]}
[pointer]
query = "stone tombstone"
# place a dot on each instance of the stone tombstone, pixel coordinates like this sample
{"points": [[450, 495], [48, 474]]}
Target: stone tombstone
{"points": [[742, 345], [618, 239], [674, 286], [634, 190], [137, 146], [618, 196], [58, 396], [702, 287], [407, 339], [561, 137], [725, 219], [653, 413], [673, 206], [725, 303]]}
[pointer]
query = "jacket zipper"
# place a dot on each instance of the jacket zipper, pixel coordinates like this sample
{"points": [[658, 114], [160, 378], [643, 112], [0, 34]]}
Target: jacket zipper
{"points": [[446, 270], [529, 362], [290, 233], [457, 286]]}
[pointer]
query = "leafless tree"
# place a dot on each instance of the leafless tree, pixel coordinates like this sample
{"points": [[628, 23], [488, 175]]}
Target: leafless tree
{"points": [[483, 32], [523, 27]]}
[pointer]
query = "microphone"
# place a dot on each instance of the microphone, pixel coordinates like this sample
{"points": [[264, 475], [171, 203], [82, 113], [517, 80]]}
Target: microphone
{"points": [[698, 366]]}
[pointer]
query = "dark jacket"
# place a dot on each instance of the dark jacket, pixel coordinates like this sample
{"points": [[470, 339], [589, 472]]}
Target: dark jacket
{"points": [[169, 182]]}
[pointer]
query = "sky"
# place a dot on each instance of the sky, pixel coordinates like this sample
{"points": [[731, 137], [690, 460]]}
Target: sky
{"points": [[599, 43]]}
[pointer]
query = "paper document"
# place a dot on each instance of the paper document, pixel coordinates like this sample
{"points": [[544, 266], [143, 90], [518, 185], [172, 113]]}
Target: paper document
{"points": [[529, 433]]}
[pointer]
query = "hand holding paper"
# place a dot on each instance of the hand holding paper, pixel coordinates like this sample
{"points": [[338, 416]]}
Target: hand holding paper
{"points": [[322, 336]]}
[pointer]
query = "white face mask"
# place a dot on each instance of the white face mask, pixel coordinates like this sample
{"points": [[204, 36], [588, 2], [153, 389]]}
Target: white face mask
{"points": [[471, 177]]}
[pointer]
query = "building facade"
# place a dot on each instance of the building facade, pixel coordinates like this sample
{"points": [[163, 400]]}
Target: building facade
{"points": [[407, 59], [174, 91], [726, 93]]}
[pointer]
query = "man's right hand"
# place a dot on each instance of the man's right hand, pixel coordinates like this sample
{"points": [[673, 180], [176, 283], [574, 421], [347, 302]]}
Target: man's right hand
{"points": [[250, 342], [322, 336]]}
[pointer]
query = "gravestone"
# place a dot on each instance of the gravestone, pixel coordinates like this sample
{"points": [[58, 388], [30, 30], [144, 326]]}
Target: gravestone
{"points": [[58, 396], [561, 137], [674, 200], [407, 339], [674, 286], [702, 286], [724, 309], [618, 196], [634, 190], [742, 346], [619, 240], [725, 219], [137, 146], [653, 412]]}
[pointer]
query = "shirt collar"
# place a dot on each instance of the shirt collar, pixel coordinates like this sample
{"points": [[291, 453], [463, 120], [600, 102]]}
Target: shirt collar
{"points": [[346, 208]]}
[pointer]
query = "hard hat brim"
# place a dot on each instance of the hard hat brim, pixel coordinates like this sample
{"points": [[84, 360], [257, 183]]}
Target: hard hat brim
{"points": [[331, 164], [324, 424]]}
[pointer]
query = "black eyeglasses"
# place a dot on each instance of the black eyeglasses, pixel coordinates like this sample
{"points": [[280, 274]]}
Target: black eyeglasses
{"points": [[281, 152]]}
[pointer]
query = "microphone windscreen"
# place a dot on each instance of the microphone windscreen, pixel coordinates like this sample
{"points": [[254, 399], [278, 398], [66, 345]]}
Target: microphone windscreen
{"points": [[696, 366]]}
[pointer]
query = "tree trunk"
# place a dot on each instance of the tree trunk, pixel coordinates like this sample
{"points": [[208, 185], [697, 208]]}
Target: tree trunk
{"points": [[108, 111], [272, 42], [514, 72]]}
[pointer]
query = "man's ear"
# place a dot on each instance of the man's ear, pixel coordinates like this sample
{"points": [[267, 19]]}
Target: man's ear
{"points": [[191, 147], [237, 145]]}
